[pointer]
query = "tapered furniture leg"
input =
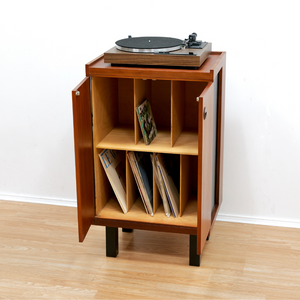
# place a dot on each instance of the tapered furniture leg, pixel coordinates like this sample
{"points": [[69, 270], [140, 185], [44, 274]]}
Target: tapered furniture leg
{"points": [[127, 230], [112, 242], [194, 257]]}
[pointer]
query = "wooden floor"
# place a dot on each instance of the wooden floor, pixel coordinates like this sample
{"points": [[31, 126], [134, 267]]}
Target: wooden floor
{"points": [[41, 258]]}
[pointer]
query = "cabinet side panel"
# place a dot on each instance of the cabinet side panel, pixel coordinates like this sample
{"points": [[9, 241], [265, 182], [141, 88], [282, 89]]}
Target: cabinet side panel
{"points": [[221, 117], [205, 165], [105, 118], [215, 144], [105, 106], [83, 144], [103, 189], [220, 144]]}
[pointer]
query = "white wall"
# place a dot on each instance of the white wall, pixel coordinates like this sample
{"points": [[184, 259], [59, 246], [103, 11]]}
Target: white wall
{"points": [[44, 48]]}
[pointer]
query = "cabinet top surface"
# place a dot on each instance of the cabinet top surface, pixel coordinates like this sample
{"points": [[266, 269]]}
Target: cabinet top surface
{"points": [[207, 72]]}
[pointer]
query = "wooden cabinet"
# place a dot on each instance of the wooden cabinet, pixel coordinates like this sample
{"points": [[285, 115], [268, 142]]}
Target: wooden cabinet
{"points": [[188, 108]]}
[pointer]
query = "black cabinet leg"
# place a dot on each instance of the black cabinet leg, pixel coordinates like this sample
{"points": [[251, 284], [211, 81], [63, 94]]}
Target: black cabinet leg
{"points": [[127, 230], [112, 242], [194, 257]]}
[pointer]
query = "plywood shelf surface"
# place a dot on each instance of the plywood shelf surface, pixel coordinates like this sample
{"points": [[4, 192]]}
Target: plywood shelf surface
{"points": [[122, 138], [137, 213]]}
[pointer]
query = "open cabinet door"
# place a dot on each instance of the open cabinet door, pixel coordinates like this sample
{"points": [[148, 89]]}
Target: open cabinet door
{"points": [[83, 144], [205, 165]]}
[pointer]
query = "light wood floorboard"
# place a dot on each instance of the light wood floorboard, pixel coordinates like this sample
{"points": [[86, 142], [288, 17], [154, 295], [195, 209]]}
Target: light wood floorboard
{"points": [[41, 258]]}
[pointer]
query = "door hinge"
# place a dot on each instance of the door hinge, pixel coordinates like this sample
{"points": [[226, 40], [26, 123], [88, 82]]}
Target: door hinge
{"points": [[205, 113]]}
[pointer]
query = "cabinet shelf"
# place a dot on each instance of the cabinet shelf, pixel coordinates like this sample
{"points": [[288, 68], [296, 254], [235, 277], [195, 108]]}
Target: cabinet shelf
{"points": [[122, 138], [137, 214]]}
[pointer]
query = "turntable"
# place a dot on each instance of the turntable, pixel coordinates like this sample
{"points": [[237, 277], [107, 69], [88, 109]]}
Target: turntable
{"points": [[159, 51]]}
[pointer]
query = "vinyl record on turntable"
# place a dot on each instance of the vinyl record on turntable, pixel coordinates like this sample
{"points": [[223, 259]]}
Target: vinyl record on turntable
{"points": [[149, 44]]}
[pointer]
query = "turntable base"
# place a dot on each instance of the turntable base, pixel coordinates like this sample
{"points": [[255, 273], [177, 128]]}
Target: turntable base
{"points": [[181, 58]]}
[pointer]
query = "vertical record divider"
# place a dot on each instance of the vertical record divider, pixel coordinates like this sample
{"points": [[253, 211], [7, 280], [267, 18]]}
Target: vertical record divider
{"points": [[132, 192], [177, 109], [185, 181], [156, 195]]}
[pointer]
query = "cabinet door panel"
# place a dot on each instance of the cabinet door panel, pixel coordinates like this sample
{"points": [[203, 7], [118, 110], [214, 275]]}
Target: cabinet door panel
{"points": [[205, 165], [83, 144]]}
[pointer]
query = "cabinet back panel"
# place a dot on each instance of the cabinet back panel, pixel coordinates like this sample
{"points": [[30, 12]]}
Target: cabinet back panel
{"points": [[177, 109], [194, 172], [161, 103], [188, 180], [125, 101], [142, 91]]}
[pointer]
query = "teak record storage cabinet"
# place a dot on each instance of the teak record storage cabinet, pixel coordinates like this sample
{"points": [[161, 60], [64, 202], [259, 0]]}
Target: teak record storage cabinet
{"points": [[188, 108]]}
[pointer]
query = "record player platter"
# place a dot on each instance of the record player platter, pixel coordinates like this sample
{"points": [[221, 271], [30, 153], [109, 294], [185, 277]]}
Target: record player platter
{"points": [[149, 44], [159, 51]]}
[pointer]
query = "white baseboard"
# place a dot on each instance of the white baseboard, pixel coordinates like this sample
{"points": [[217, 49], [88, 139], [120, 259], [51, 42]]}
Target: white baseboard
{"points": [[220, 217], [40, 200], [259, 221]]}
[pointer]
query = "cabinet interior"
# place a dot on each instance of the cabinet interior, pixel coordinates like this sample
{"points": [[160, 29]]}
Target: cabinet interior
{"points": [[115, 126]]}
